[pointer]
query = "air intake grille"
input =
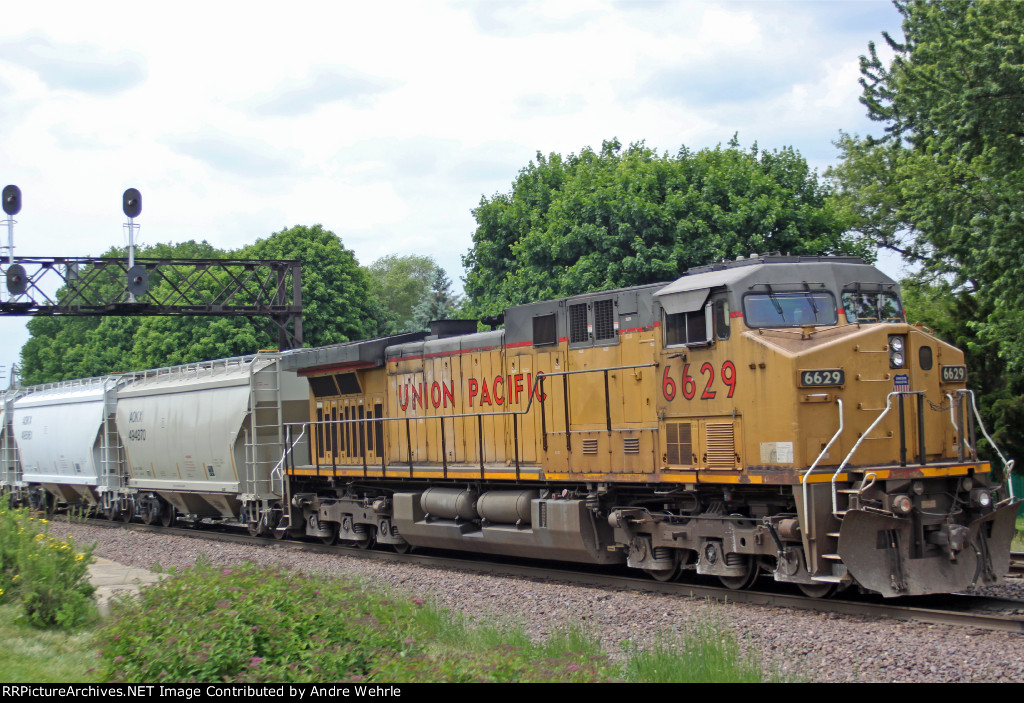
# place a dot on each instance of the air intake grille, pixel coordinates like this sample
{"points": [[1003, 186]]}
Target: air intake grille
{"points": [[631, 445], [590, 446]]}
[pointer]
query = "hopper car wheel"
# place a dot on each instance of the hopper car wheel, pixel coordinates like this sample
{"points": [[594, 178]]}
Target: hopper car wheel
{"points": [[255, 529], [49, 504], [167, 515], [151, 514], [737, 583], [110, 513], [128, 514], [403, 548], [817, 590]]}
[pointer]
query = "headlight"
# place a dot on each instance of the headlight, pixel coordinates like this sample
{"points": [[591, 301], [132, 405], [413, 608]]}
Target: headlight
{"points": [[897, 349], [902, 505], [980, 498]]}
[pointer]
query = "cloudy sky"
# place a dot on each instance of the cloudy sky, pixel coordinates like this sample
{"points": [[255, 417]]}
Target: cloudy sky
{"points": [[386, 122]]}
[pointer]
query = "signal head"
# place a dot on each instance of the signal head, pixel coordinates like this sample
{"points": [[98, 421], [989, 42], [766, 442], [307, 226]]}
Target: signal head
{"points": [[12, 200], [138, 280], [17, 278], [131, 202]]}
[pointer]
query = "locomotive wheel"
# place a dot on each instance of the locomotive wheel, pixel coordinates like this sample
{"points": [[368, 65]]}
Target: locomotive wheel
{"points": [[817, 590], [667, 574], [664, 574], [362, 543], [331, 538], [168, 516], [737, 583]]}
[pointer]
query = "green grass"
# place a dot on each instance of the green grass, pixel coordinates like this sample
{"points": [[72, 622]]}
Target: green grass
{"points": [[253, 624], [30, 655], [1017, 544], [708, 653]]}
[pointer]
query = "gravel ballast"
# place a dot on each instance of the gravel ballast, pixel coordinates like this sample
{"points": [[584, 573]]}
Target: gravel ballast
{"points": [[809, 646]]}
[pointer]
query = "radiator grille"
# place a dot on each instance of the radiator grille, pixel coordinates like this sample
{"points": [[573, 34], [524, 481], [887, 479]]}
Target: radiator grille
{"points": [[721, 445], [631, 445], [590, 446], [680, 448], [578, 323], [604, 319]]}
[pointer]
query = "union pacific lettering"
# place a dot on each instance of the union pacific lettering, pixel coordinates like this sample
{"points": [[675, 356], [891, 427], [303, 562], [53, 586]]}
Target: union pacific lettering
{"points": [[438, 395], [511, 389]]}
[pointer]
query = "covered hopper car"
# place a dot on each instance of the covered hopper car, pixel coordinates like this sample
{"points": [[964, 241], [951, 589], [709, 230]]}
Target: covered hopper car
{"points": [[771, 416]]}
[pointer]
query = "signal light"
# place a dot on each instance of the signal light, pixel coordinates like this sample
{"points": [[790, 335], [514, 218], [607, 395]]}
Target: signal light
{"points": [[17, 279], [138, 280], [12, 200], [131, 202]]}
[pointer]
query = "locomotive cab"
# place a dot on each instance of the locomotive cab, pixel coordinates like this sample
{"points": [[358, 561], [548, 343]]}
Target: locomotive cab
{"points": [[803, 373]]}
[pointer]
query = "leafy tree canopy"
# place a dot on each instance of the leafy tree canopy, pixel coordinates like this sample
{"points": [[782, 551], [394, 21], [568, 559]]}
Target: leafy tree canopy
{"points": [[621, 217], [412, 290], [944, 184]]}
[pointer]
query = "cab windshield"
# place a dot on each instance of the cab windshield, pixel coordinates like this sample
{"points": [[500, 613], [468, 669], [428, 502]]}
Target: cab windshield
{"points": [[790, 309], [874, 306]]}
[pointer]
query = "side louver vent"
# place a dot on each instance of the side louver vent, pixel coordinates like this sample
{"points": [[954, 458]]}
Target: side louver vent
{"points": [[631, 445], [721, 444]]}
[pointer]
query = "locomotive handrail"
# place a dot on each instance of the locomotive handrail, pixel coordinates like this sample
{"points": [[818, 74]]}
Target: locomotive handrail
{"points": [[954, 406], [856, 445], [538, 380], [533, 392], [1007, 464], [821, 456], [278, 469]]}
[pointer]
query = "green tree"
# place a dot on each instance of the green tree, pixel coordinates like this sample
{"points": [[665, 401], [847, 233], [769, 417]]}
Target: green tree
{"points": [[439, 303], [400, 283], [944, 184], [622, 217]]}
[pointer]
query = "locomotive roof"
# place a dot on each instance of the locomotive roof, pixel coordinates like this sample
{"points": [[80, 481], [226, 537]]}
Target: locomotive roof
{"points": [[830, 272], [359, 354]]}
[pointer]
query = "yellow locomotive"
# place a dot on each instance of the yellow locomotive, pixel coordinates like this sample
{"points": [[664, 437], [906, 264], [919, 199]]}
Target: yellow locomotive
{"points": [[771, 415]]}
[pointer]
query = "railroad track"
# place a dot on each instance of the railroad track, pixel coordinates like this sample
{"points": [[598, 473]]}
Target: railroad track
{"points": [[1017, 563], [947, 609]]}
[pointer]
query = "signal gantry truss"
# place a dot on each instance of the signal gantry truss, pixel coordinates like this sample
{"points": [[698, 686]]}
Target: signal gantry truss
{"points": [[270, 289]]}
